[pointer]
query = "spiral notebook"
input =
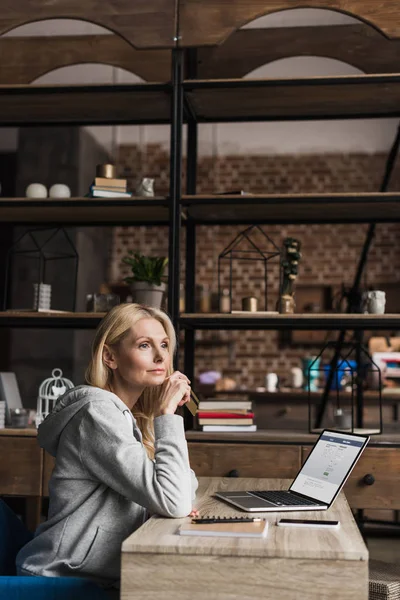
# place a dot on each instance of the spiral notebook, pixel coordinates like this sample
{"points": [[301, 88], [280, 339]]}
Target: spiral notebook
{"points": [[251, 530]]}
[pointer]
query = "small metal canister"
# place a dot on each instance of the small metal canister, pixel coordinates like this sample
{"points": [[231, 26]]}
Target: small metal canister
{"points": [[107, 170], [249, 303]]}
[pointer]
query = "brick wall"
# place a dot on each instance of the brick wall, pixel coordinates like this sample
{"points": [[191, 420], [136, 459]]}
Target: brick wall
{"points": [[330, 252]]}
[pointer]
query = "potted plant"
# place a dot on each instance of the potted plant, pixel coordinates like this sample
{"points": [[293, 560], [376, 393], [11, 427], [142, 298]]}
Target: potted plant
{"points": [[290, 271], [146, 282]]}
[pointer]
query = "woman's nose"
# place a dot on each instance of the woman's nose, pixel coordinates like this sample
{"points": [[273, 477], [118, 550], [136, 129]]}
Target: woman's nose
{"points": [[158, 357]]}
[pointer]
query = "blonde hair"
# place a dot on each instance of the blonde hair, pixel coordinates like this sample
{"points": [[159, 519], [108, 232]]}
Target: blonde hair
{"points": [[113, 328]]}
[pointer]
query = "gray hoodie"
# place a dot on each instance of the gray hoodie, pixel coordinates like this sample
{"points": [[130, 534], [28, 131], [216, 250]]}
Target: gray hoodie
{"points": [[104, 485]]}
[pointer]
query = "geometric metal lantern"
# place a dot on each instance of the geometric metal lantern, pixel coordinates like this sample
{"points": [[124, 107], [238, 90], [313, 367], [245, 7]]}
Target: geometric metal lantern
{"points": [[39, 248], [234, 252], [341, 407], [49, 392]]}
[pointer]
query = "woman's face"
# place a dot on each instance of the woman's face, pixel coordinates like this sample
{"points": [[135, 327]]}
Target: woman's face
{"points": [[142, 358]]}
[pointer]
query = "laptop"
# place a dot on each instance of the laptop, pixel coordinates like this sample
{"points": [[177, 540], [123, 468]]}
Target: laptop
{"points": [[318, 482]]}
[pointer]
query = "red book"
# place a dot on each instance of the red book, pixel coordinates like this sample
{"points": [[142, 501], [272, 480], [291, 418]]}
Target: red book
{"points": [[224, 415]]}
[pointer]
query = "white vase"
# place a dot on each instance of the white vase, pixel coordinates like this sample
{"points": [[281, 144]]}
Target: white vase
{"points": [[36, 190], [148, 293], [59, 190], [376, 301]]}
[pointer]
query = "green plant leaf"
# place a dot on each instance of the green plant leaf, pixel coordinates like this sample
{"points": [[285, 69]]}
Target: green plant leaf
{"points": [[145, 268]]}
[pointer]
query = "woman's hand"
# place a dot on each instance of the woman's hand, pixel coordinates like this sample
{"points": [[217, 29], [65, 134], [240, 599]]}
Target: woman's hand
{"points": [[175, 391], [194, 513]]}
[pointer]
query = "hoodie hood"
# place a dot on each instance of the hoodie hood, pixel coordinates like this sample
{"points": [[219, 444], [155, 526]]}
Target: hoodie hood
{"points": [[66, 408]]}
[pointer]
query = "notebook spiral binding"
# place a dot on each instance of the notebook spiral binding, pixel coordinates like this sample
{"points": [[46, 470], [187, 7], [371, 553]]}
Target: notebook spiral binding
{"points": [[219, 518]]}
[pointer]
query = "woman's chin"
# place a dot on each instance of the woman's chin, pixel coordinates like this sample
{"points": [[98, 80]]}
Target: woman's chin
{"points": [[157, 378]]}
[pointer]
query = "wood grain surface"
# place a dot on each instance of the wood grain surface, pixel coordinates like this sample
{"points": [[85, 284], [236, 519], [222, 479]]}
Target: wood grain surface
{"points": [[84, 210], [384, 465], [294, 208], [241, 578], [26, 59], [352, 96], [247, 49], [208, 22], [255, 460], [295, 564], [142, 23], [159, 535], [21, 466], [77, 104]]}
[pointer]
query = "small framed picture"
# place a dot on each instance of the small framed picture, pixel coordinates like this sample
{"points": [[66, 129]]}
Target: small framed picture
{"points": [[9, 392]]}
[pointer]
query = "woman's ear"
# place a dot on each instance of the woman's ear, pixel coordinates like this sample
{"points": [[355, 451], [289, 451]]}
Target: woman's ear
{"points": [[109, 358]]}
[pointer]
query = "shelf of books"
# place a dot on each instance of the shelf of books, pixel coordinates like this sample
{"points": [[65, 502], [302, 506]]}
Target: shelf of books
{"points": [[226, 415]]}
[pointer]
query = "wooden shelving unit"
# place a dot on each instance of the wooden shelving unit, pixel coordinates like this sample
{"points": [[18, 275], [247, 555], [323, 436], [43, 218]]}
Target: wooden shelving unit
{"points": [[293, 208], [353, 96], [53, 320], [331, 321], [129, 104], [205, 87], [151, 211]]}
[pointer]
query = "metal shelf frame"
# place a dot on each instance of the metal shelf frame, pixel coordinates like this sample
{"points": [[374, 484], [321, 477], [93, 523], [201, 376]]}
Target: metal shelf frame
{"points": [[177, 98], [192, 322]]}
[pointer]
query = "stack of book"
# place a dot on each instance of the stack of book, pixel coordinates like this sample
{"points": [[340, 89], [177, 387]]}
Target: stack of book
{"points": [[107, 187], [227, 414]]}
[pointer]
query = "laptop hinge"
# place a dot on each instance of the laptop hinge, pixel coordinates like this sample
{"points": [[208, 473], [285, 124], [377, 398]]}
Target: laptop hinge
{"points": [[303, 497]]}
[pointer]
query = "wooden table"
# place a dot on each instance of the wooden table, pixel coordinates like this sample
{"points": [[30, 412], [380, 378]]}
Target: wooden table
{"points": [[291, 563]]}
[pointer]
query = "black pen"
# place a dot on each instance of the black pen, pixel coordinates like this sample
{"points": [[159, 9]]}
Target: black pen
{"points": [[227, 520]]}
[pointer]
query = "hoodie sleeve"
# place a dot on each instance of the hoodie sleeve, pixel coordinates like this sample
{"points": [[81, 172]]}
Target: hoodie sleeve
{"points": [[110, 453], [195, 484]]}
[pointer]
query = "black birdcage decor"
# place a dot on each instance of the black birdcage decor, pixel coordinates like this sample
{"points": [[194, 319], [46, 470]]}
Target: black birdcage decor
{"points": [[244, 247], [341, 379], [44, 265]]}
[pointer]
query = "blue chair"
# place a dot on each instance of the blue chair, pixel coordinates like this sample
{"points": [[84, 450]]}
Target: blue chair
{"points": [[14, 535]]}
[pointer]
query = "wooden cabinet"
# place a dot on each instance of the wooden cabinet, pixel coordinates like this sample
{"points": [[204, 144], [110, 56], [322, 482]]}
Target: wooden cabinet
{"points": [[373, 484], [249, 460], [48, 465], [21, 470], [375, 480], [21, 467]]}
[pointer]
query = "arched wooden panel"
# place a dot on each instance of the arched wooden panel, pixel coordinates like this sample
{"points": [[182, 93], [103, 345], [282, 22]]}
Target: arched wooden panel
{"points": [[25, 59], [143, 23], [247, 49], [208, 22]]}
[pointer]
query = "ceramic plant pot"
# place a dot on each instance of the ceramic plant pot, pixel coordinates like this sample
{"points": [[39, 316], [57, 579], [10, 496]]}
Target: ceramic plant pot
{"points": [[147, 293]]}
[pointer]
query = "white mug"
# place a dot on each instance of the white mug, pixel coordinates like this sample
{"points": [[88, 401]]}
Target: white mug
{"points": [[297, 378], [376, 301], [271, 382]]}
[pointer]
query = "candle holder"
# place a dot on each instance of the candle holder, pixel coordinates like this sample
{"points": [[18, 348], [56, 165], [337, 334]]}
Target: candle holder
{"points": [[340, 407], [38, 252], [245, 248]]}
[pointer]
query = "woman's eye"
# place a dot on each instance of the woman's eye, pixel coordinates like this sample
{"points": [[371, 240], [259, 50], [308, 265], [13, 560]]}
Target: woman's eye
{"points": [[165, 346], [144, 345]]}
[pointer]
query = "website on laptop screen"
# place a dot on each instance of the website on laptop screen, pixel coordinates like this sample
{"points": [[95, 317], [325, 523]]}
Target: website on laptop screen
{"points": [[327, 466]]}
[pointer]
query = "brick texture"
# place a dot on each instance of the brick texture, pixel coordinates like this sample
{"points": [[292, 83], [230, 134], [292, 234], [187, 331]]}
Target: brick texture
{"points": [[330, 252]]}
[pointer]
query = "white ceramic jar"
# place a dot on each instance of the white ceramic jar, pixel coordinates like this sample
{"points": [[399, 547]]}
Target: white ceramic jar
{"points": [[59, 190], [376, 302], [36, 190]]}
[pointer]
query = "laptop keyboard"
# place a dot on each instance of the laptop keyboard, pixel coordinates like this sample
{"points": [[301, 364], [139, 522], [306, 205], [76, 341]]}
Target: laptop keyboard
{"points": [[283, 499]]}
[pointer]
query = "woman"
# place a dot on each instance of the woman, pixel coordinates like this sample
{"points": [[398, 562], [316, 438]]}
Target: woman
{"points": [[120, 450]]}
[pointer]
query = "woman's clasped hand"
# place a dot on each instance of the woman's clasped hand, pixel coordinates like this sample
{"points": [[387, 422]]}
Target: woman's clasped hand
{"points": [[175, 391]]}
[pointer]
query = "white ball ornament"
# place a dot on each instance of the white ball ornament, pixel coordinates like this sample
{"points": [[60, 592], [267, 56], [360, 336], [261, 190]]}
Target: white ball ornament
{"points": [[59, 190], [36, 190]]}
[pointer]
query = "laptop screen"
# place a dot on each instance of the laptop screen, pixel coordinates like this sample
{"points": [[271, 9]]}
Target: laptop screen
{"points": [[328, 465]]}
